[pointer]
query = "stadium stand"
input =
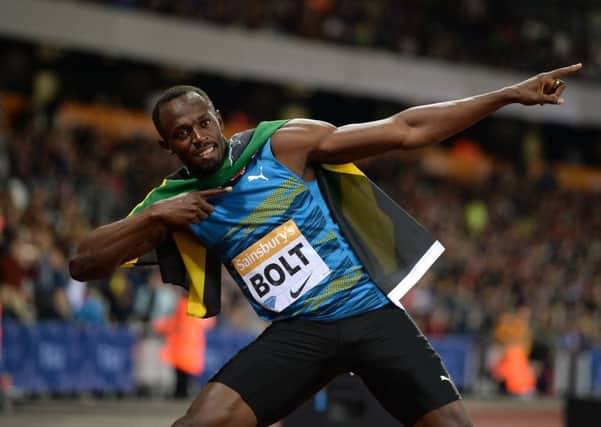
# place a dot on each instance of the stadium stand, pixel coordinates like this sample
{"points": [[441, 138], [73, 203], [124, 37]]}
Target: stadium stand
{"points": [[521, 225], [472, 31]]}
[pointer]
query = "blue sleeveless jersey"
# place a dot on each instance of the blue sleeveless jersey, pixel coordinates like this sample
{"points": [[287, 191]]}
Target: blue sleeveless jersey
{"points": [[277, 238]]}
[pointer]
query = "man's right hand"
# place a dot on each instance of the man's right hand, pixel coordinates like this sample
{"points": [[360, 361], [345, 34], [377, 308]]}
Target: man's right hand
{"points": [[103, 250], [179, 212]]}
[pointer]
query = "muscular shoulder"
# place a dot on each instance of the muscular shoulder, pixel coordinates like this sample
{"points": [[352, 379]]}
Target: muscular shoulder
{"points": [[305, 133], [294, 142]]}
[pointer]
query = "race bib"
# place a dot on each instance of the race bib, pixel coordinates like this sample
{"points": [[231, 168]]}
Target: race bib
{"points": [[281, 267]]}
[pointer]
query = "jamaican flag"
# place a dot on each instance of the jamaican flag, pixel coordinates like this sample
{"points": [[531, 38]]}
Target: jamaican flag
{"points": [[393, 247], [182, 260]]}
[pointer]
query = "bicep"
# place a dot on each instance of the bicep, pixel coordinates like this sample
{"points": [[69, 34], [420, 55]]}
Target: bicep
{"points": [[304, 141], [357, 141]]}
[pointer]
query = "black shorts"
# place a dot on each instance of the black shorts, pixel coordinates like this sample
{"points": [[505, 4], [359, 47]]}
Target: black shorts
{"points": [[294, 358]]}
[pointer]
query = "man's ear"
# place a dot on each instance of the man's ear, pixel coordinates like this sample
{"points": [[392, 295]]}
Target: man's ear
{"points": [[219, 119], [164, 145]]}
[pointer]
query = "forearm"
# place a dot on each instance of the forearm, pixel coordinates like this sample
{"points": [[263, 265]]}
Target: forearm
{"points": [[433, 123], [109, 246]]}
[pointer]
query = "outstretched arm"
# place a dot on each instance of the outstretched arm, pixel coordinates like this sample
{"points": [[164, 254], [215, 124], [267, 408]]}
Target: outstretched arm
{"points": [[103, 250], [303, 141]]}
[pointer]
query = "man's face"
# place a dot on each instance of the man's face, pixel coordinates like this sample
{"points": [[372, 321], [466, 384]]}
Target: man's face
{"points": [[192, 130]]}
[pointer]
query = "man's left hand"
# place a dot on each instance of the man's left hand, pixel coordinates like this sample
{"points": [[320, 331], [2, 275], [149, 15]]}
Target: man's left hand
{"points": [[544, 88]]}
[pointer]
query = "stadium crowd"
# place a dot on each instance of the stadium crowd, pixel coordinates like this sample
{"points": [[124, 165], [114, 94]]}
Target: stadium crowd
{"points": [[516, 245], [483, 32], [521, 249]]}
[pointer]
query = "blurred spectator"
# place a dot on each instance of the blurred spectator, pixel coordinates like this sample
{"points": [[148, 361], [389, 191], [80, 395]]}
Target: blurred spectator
{"points": [[153, 301], [514, 372], [52, 279], [476, 216], [16, 261], [184, 347], [120, 293], [93, 310], [512, 369]]}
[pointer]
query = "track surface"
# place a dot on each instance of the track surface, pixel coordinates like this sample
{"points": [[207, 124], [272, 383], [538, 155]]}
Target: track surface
{"points": [[160, 413]]}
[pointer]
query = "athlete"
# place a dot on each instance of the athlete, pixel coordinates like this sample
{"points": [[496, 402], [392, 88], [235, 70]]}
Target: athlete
{"points": [[336, 319]]}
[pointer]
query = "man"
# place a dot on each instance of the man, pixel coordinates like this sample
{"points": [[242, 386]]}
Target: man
{"points": [[336, 320]]}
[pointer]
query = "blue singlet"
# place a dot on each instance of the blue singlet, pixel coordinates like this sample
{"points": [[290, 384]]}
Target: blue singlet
{"points": [[277, 238]]}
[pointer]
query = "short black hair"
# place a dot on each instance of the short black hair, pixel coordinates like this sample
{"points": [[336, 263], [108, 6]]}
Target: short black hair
{"points": [[172, 93]]}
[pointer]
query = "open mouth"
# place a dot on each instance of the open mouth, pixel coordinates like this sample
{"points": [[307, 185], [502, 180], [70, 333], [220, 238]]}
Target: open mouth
{"points": [[206, 150]]}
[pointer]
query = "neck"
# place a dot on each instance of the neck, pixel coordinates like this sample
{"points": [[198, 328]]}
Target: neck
{"points": [[199, 174]]}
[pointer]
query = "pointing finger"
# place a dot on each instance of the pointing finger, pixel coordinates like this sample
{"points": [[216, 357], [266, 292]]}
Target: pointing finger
{"points": [[215, 191], [564, 71]]}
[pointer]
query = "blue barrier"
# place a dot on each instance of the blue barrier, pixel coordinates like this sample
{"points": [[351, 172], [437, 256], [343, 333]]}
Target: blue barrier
{"points": [[18, 353], [595, 373], [59, 357], [222, 344], [457, 353], [109, 357]]}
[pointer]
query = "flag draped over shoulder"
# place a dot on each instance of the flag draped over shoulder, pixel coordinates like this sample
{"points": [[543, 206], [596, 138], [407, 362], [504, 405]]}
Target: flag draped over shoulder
{"points": [[183, 260], [393, 247]]}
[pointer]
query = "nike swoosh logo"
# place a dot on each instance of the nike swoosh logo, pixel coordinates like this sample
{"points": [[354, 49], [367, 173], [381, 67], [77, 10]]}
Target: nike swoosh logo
{"points": [[295, 294]]}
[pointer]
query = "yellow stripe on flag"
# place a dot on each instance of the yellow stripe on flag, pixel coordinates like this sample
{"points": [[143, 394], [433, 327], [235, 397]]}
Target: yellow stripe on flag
{"points": [[348, 168], [194, 256], [130, 263]]}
